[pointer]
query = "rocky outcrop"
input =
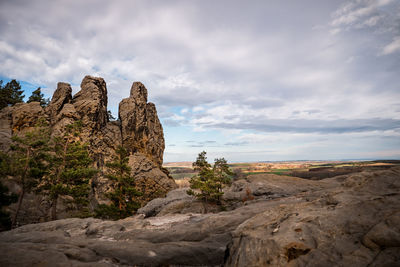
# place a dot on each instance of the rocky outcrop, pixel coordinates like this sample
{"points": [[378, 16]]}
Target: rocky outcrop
{"points": [[350, 220], [140, 126], [91, 103], [138, 130]]}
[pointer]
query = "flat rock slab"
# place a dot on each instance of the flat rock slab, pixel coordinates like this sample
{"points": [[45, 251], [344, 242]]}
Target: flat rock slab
{"points": [[352, 220]]}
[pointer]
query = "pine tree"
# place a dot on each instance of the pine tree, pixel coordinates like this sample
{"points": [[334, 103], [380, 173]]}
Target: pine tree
{"points": [[70, 171], [28, 157], [10, 94], [222, 175], [37, 96], [6, 198], [110, 116], [123, 197], [208, 183]]}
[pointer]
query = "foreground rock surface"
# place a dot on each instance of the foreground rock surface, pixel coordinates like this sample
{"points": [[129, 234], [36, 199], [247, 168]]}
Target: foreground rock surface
{"points": [[350, 220]]}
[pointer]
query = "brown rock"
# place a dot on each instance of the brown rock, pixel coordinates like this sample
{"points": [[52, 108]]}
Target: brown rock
{"points": [[26, 116], [141, 129], [5, 128], [91, 103], [61, 96]]}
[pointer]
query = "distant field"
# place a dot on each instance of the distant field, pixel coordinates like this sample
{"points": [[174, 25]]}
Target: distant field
{"points": [[303, 169]]}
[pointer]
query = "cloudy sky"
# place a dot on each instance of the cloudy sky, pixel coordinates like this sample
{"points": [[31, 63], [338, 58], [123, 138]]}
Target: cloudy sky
{"points": [[244, 80]]}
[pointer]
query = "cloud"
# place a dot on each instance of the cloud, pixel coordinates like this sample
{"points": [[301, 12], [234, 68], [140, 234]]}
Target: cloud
{"points": [[392, 47], [241, 143], [379, 15], [314, 126], [219, 68]]}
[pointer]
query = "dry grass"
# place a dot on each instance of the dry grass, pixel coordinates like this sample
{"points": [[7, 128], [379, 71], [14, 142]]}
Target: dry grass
{"points": [[183, 182]]}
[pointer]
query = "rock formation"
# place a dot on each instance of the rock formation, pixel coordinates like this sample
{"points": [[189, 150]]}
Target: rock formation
{"points": [[138, 130], [349, 220]]}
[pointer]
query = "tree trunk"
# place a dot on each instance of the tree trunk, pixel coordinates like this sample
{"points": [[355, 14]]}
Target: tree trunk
{"points": [[205, 205], [20, 197], [54, 209]]}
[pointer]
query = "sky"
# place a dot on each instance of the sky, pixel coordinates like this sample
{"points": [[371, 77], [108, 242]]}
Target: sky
{"points": [[245, 80]]}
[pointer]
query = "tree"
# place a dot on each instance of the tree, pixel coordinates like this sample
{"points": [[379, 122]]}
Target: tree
{"points": [[70, 170], [208, 183], [123, 197], [222, 174], [6, 198], [110, 116], [28, 161], [37, 96], [10, 94]]}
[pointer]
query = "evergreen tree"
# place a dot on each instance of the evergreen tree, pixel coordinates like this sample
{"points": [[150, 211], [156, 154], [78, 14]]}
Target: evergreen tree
{"points": [[110, 116], [208, 183], [123, 197], [70, 171], [6, 198], [28, 157], [10, 94], [222, 174], [37, 96]]}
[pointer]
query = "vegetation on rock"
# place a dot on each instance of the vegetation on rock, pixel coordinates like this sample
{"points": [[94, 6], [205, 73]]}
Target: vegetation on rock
{"points": [[123, 197], [69, 171], [208, 183], [6, 198], [10, 94], [37, 96], [27, 161]]}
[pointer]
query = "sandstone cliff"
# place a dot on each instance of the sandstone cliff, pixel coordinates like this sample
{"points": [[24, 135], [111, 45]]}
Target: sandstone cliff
{"points": [[138, 129]]}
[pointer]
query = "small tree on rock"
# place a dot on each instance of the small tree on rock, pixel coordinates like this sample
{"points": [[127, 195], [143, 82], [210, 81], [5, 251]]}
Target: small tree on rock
{"points": [[37, 96], [28, 161], [208, 183], [222, 174], [123, 197], [10, 94], [70, 171], [6, 198]]}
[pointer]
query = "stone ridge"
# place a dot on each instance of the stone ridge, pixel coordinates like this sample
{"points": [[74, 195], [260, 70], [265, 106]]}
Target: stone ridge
{"points": [[138, 130]]}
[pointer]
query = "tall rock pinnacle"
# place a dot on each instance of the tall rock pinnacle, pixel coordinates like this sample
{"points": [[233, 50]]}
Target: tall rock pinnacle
{"points": [[140, 127]]}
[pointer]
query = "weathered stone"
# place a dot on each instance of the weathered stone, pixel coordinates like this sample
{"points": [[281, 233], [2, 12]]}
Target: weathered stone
{"points": [[91, 103], [299, 229], [62, 95], [139, 131], [5, 128], [174, 197], [25, 116]]}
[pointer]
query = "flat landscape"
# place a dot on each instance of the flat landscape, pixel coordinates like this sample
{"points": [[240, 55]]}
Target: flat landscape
{"points": [[315, 170]]}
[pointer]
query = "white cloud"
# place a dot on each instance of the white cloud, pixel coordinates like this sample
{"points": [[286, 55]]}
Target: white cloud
{"points": [[207, 63], [393, 47]]}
